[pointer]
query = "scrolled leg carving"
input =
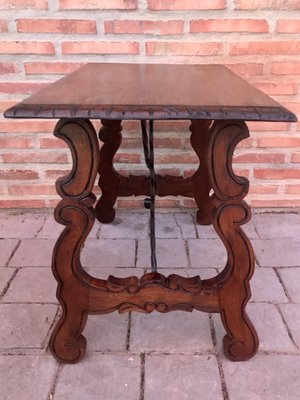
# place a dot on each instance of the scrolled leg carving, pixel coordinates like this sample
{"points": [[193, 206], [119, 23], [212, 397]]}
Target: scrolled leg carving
{"points": [[76, 213], [110, 135], [229, 213], [200, 180]]}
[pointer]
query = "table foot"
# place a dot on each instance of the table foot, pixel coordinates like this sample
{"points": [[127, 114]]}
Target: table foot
{"points": [[110, 135]]}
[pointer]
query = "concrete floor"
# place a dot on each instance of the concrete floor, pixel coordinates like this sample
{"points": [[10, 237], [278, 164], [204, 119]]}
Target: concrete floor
{"points": [[156, 356]]}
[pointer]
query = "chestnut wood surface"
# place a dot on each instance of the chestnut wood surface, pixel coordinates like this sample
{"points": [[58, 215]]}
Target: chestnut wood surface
{"points": [[151, 91]]}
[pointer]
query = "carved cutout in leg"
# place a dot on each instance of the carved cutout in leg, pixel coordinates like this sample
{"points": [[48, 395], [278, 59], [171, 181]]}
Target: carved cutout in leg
{"points": [[75, 212], [200, 180], [110, 135], [241, 341]]}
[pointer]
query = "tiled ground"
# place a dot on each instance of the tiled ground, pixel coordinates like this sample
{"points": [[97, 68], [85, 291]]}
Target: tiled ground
{"points": [[148, 357]]}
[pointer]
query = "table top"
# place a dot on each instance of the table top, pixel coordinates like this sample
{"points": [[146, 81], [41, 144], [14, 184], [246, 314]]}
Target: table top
{"points": [[151, 91]]}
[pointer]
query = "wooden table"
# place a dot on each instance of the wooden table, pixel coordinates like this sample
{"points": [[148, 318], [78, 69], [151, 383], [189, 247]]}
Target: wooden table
{"points": [[218, 103]]}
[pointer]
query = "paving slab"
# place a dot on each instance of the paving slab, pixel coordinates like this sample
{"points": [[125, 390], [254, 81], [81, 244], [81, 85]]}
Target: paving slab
{"points": [[208, 231], [100, 377], [33, 253], [279, 252], [177, 331], [20, 226], [126, 226], [33, 284], [171, 253], [264, 377], [109, 253], [271, 226], [272, 333], [25, 325], [265, 286], [179, 377], [167, 227], [291, 314], [5, 276], [186, 223], [107, 332], [291, 280], [26, 377], [7, 246], [103, 273], [209, 253]]}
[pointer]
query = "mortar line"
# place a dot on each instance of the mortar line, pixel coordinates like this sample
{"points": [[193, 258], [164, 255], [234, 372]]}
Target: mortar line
{"points": [[54, 382], [282, 284], [13, 253], [142, 387], [128, 332], [286, 326], [4, 291], [219, 362], [135, 252], [177, 224], [39, 230]]}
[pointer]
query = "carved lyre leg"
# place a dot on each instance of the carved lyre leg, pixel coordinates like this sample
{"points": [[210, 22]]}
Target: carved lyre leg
{"points": [[230, 211], [200, 180], [76, 213], [110, 135]]}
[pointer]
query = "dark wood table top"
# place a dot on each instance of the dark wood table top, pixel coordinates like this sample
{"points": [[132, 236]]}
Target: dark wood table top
{"points": [[151, 91]]}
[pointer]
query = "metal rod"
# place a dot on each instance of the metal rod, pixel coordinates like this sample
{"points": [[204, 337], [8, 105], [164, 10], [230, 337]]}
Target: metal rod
{"points": [[149, 159]]}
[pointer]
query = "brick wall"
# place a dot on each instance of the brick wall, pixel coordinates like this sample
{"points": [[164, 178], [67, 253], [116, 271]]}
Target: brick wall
{"points": [[41, 40]]}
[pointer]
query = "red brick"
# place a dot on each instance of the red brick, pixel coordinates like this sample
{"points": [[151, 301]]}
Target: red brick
{"points": [[3, 25], [229, 25], [277, 173], [288, 25], [296, 157], [100, 47], [260, 158], [274, 203], [279, 142], [55, 68], [184, 48], [167, 203], [56, 173], [35, 157], [277, 88], [98, 5], [246, 69], [22, 203], [18, 174], [8, 68], [268, 126], [267, 4], [174, 158], [130, 203], [23, 4], [5, 104], [292, 189], [18, 190], [52, 143], [265, 48], [26, 47], [294, 107], [127, 158], [186, 5], [147, 27], [21, 87], [285, 68], [263, 189], [56, 26], [16, 143], [37, 126]]}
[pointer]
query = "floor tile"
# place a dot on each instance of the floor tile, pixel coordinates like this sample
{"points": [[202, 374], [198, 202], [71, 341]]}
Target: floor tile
{"points": [[179, 377], [26, 377], [166, 226], [265, 286], [52, 229], [109, 253], [171, 253], [177, 331], [272, 333], [291, 314], [271, 226], [186, 225], [207, 253], [264, 377], [283, 252], [7, 246], [291, 281], [103, 273], [33, 253], [100, 377], [20, 226], [208, 231], [25, 325], [126, 226], [107, 332], [41, 282]]}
